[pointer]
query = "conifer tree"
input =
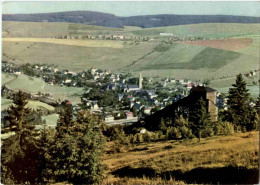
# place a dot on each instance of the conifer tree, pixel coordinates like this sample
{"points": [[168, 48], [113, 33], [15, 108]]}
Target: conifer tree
{"points": [[65, 121], [20, 153], [199, 117], [75, 156], [237, 101], [18, 113]]}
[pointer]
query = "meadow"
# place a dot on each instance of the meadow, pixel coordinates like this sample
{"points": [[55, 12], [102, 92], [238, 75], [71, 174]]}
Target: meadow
{"points": [[5, 103], [210, 30], [51, 120], [49, 29], [69, 42], [220, 159], [216, 59], [35, 85]]}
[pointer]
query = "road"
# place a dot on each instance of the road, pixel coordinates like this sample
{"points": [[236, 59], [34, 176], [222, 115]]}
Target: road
{"points": [[122, 121]]}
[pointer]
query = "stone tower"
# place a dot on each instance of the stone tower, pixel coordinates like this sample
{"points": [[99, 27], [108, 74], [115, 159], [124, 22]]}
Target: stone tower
{"points": [[140, 81]]}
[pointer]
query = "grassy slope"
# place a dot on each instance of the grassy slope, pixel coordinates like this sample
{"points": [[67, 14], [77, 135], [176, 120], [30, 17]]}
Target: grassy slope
{"points": [[213, 30], [81, 57], [70, 42], [34, 85], [206, 58], [210, 156], [48, 29], [179, 61], [5, 103], [51, 120]]}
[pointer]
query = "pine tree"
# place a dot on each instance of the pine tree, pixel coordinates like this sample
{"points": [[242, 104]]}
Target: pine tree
{"points": [[237, 101], [65, 121], [199, 117], [20, 158], [18, 113], [75, 156]]}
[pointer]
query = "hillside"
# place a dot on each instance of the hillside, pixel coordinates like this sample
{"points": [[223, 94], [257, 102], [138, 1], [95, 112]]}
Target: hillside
{"points": [[35, 85], [110, 20], [51, 29], [209, 30], [217, 160], [231, 49]]}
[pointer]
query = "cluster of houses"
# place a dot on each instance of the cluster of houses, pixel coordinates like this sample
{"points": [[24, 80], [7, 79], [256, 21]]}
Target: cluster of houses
{"points": [[140, 101], [251, 73], [105, 37], [10, 68]]}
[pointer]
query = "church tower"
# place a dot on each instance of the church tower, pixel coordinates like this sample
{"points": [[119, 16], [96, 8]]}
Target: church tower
{"points": [[140, 81]]}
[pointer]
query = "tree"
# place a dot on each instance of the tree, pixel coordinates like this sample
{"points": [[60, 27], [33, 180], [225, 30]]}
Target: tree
{"points": [[20, 158], [65, 121], [199, 117], [237, 101], [75, 156], [18, 113]]}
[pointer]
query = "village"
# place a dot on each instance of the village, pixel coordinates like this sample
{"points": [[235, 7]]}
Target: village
{"points": [[117, 98]]}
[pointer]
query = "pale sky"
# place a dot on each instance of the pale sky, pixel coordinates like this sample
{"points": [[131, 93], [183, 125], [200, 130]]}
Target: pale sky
{"points": [[130, 8]]}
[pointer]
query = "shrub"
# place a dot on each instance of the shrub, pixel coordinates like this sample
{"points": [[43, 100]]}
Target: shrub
{"points": [[224, 128], [147, 137], [173, 133], [139, 138]]}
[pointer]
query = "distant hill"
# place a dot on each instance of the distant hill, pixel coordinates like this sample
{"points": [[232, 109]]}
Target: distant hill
{"points": [[111, 20]]}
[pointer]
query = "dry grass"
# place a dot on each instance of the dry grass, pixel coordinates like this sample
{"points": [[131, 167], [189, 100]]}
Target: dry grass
{"points": [[238, 150], [70, 42]]}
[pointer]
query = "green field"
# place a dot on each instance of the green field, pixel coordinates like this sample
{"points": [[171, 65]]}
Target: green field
{"points": [[51, 120], [5, 103], [6, 78], [211, 30], [176, 60], [82, 57], [253, 90], [35, 85], [182, 56], [48, 29]]}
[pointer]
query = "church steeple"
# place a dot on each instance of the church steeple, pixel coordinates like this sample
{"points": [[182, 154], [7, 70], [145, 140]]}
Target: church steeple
{"points": [[140, 81]]}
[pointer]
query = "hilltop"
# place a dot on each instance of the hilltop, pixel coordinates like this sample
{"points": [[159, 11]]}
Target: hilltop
{"points": [[111, 20]]}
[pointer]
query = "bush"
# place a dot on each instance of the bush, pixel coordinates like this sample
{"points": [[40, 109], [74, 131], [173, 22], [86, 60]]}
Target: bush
{"points": [[139, 138], [173, 133], [224, 128], [147, 137]]}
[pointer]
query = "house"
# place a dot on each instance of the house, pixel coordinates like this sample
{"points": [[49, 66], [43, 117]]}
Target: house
{"points": [[189, 85], [120, 96], [17, 72], [94, 106], [137, 106], [55, 70], [152, 95], [129, 115], [147, 110], [67, 81], [181, 81], [133, 88], [109, 118], [253, 73]]}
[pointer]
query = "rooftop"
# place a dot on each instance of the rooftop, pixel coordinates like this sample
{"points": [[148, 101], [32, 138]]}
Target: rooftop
{"points": [[202, 89]]}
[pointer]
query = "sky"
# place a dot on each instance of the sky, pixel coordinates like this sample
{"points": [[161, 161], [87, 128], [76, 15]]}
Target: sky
{"points": [[131, 8]]}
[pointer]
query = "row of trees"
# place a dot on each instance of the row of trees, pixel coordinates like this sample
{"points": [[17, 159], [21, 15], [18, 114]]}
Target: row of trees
{"points": [[70, 153]]}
